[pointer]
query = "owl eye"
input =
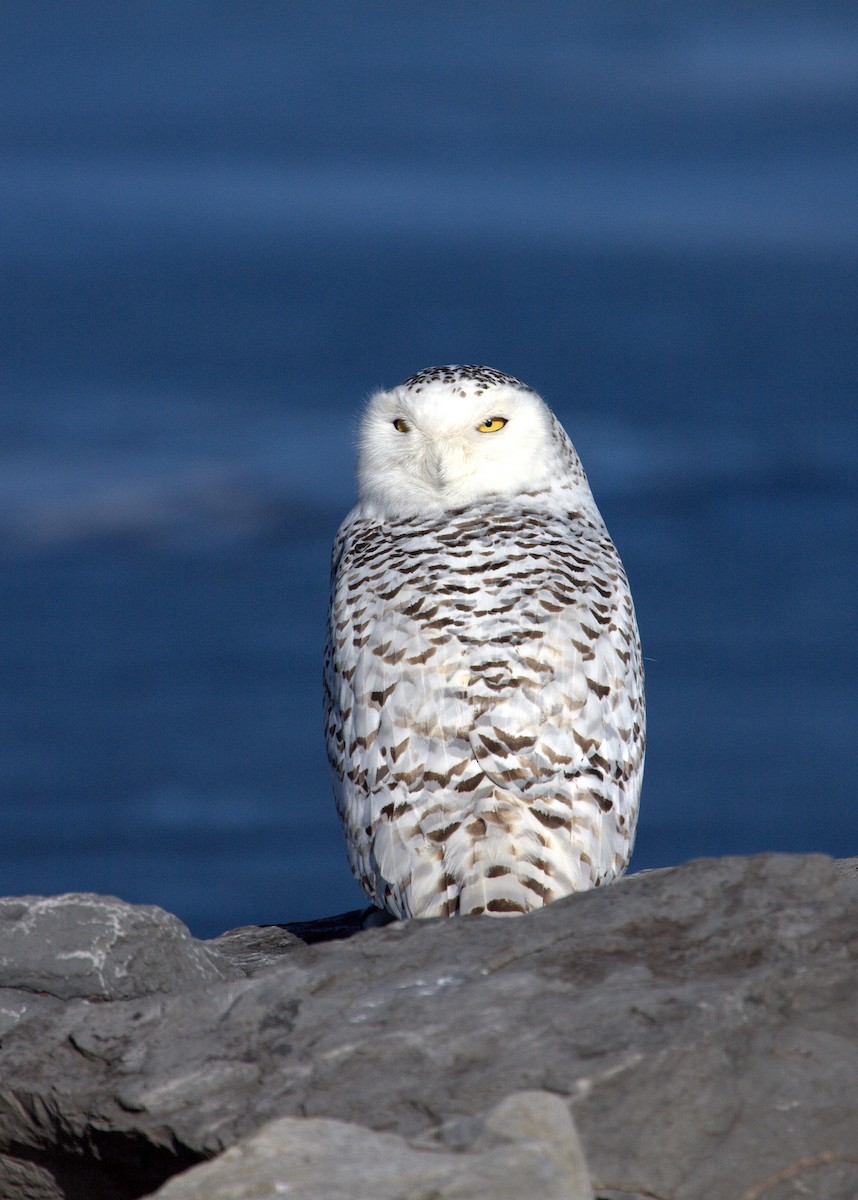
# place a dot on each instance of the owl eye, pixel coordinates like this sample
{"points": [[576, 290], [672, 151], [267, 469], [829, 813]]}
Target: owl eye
{"points": [[400, 425], [492, 424]]}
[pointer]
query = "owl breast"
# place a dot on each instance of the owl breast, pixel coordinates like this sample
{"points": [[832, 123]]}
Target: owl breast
{"points": [[484, 706]]}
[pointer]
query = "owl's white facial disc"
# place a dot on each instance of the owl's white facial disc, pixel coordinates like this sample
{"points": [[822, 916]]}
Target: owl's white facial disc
{"points": [[452, 436]]}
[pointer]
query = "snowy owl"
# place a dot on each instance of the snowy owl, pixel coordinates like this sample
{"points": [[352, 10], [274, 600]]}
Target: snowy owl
{"points": [[483, 675]]}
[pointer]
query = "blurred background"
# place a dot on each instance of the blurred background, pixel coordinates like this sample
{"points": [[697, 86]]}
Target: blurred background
{"points": [[224, 224]]}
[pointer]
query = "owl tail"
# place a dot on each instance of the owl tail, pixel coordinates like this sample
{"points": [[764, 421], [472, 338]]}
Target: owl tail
{"points": [[501, 880], [498, 896], [513, 872]]}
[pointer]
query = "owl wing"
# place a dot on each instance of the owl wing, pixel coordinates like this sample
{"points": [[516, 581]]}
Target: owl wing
{"points": [[375, 688], [566, 734]]}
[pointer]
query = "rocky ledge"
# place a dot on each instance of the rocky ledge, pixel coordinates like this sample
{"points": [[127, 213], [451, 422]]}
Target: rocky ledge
{"points": [[697, 1026]]}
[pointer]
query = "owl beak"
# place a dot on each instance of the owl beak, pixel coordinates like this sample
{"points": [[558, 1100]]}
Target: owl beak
{"points": [[442, 464], [439, 470], [435, 468]]}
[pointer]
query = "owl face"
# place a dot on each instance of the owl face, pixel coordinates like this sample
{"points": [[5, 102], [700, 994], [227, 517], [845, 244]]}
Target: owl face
{"points": [[450, 437]]}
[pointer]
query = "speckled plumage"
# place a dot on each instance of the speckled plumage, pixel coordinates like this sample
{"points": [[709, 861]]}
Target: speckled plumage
{"points": [[483, 675]]}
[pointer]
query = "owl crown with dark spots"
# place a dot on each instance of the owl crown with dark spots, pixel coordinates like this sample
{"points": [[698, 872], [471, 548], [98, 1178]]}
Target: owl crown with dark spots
{"points": [[458, 373]]}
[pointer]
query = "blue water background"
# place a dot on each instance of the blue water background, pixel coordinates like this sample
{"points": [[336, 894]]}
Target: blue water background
{"points": [[223, 225]]}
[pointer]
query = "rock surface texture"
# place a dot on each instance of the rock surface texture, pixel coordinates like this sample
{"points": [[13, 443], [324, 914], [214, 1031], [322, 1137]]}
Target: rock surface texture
{"points": [[699, 1025], [527, 1147], [98, 947]]}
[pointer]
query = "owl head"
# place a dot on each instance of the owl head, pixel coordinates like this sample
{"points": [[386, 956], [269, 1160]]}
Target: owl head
{"points": [[452, 436]]}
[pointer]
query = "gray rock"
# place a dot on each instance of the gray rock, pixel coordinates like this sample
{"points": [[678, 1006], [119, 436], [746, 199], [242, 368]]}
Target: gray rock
{"points": [[699, 1023], [80, 945], [253, 947], [527, 1147], [847, 867]]}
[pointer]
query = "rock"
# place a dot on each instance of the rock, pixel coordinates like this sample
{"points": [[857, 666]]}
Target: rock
{"points": [[80, 945], [528, 1147], [255, 946], [847, 867], [698, 1023]]}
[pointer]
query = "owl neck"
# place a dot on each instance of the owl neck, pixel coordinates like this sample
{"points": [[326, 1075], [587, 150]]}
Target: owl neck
{"points": [[559, 496]]}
